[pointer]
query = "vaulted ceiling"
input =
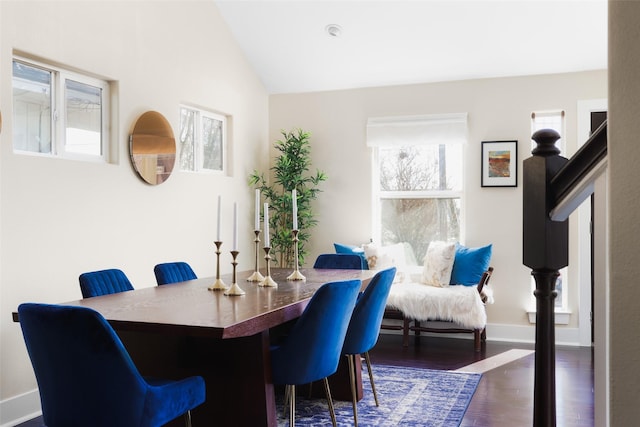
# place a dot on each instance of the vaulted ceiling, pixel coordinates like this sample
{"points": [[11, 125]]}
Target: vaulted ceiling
{"points": [[390, 42]]}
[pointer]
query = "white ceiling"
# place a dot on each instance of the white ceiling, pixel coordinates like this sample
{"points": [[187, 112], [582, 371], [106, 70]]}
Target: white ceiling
{"points": [[389, 42]]}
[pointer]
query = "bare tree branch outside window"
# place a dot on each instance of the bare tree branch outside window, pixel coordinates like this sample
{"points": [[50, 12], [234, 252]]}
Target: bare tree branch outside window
{"points": [[412, 211]]}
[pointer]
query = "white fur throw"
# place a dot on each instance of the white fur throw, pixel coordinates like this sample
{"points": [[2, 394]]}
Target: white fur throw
{"points": [[460, 304]]}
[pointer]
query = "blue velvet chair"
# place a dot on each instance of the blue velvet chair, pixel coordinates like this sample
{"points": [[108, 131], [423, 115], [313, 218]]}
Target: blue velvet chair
{"points": [[86, 377], [341, 261], [364, 327], [313, 348], [172, 272], [103, 282]]}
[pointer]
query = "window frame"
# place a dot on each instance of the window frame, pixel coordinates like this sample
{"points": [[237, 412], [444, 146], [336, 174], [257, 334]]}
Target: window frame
{"points": [[58, 114], [378, 195], [198, 148], [561, 304]]}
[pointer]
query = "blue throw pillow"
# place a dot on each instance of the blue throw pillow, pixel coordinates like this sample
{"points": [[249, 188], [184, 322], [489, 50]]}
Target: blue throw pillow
{"points": [[470, 264], [351, 249]]}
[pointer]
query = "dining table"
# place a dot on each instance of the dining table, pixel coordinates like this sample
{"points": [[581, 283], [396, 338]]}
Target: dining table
{"points": [[184, 329]]}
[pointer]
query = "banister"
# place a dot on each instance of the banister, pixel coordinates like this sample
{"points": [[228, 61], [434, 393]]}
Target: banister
{"points": [[553, 187], [574, 182]]}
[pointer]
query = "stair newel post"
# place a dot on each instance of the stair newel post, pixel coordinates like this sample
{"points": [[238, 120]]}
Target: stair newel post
{"points": [[545, 251]]}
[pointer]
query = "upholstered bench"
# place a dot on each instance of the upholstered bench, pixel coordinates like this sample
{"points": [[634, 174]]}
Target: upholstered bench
{"points": [[456, 308], [451, 290]]}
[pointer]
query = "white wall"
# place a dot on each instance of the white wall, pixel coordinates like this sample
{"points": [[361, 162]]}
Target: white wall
{"points": [[624, 209], [59, 218], [499, 109]]}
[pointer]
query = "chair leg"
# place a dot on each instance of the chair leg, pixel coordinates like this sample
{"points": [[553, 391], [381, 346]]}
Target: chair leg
{"points": [[287, 396], [187, 418], [292, 405], [373, 386], [330, 402], [352, 381]]}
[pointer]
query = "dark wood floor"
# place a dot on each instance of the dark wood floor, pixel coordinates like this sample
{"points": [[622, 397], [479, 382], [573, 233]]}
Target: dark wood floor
{"points": [[505, 394]]}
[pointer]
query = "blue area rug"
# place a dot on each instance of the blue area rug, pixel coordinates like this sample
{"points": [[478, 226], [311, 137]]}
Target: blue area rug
{"points": [[407, 396]]}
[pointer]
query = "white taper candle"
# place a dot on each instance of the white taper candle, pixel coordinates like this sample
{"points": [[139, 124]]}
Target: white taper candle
{"points": [[219, 204], [235, 226], [294, 199], [267, 241], [257, 224]]}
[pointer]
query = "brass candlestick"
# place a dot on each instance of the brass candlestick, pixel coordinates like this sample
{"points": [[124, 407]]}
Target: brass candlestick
{"points": [[256, 276], [234, 289], [219, 285], [296, 275], [268, 281]]}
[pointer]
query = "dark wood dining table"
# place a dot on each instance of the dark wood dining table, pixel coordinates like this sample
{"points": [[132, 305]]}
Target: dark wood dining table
{"points": [[184, 329]]}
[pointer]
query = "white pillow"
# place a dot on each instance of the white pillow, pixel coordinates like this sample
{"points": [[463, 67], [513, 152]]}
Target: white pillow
{"points": [[381, 257], [438, 264]]}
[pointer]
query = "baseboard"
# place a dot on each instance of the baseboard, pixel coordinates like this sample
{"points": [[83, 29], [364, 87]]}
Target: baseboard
{"points": [[21, 408], [503, 333]]}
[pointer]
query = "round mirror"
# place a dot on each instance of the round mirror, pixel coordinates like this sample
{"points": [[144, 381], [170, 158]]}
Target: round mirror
{"points": [[153, 148]]}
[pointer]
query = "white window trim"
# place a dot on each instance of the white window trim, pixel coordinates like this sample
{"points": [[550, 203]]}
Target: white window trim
{"points": [[414, 130], [58, 119], [562, 314], [199, 147]]}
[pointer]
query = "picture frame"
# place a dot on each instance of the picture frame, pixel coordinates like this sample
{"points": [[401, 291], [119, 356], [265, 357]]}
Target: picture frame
{"points": [[499, 165]]}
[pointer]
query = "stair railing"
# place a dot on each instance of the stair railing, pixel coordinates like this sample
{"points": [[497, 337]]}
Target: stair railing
{"points": [[553, 187]]}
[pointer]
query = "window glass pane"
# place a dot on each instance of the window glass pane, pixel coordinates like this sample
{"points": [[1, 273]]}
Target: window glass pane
{"points": [[31, 108], [421, 168], [418, 222], [83, 107], [549, 120], [187, 139], [212, 143]]}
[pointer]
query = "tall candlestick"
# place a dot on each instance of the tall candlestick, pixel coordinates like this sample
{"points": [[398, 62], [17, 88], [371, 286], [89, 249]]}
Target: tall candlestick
{"points": [[235, 226], [219, 204], [267, 241], [257, 225], [294, 199]]}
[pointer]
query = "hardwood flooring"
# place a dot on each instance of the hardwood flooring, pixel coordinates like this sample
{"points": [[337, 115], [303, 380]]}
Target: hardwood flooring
{"points": [[505, 394]]}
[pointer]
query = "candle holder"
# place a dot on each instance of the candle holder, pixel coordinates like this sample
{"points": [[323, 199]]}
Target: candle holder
{"points": [[268, 282], [219, 285], [234, 289], [256, 276], [296, 275]]}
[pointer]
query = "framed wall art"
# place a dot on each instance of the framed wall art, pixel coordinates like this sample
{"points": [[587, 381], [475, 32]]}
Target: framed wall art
{"points": [[499, 164]]}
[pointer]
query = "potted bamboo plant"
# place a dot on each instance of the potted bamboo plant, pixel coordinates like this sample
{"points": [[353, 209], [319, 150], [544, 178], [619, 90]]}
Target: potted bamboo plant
{"points": [[290, 171]]}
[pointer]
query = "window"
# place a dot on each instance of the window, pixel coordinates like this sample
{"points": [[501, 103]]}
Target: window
{"points": [[417, 180], [202, 140], [58, 112], [552, 120], [549, 120]]}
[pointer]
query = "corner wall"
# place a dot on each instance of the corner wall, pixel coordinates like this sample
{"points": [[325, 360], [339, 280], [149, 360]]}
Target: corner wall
{"points": [[624, 207]]}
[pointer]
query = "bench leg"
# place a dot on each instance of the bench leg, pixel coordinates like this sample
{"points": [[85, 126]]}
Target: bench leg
{"points": [[477, 341], [405, 331]]}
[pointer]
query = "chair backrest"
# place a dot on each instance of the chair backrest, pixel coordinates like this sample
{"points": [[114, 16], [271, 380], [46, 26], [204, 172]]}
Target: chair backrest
{"points": [[364, 326], [85, 376], [96, 283], [172, 272], [340, 261], [313, 347]]}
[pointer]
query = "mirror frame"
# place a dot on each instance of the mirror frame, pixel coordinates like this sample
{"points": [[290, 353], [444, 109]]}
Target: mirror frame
{"points": [[152, 148]]}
